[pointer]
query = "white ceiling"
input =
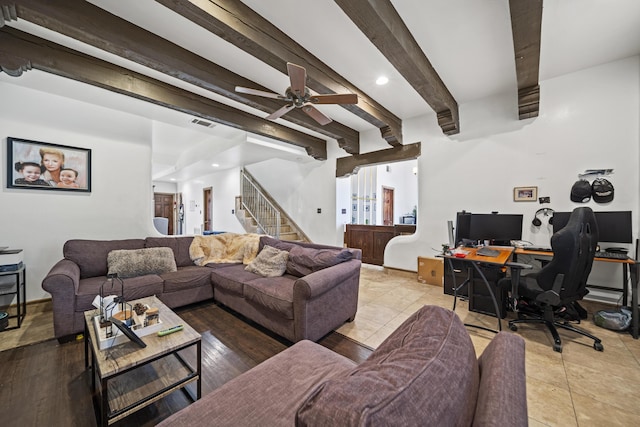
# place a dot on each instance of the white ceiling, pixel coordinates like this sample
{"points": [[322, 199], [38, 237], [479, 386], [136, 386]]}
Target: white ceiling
{"points": [[468, 42]]}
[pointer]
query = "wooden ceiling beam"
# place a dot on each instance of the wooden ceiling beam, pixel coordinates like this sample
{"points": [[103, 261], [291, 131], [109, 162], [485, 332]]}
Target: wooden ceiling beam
{"points": [[241, 26], [346, 166], [20, 51], [384, 27], [120, 37], [526, 26]]}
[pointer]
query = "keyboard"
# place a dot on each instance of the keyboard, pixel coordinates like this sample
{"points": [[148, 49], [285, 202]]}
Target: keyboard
{"points": [[537, 248], [611, 255], [484, 251]]}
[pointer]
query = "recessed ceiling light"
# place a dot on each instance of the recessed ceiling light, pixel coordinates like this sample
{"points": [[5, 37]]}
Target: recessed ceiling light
{"points": [[172, 179], [382, 80], [215, 165]]}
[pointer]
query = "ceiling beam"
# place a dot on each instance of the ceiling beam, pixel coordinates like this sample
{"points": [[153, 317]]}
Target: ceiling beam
{"points": [[239, 25], [20, 51], [346, 166], [526, 25], [120, 37], [382, 24]]}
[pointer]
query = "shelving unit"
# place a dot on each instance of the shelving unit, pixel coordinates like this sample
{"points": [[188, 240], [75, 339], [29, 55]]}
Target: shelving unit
{"points": [[18, 288]]}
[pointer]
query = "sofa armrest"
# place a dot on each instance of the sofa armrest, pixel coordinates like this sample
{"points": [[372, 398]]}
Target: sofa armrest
{"points": [[63, 277], [502, 396], [319, 282], [62, 283]]}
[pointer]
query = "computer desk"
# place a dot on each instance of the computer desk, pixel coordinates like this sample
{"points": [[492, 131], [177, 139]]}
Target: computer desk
{"points": [[499, 261], [629, 268]]}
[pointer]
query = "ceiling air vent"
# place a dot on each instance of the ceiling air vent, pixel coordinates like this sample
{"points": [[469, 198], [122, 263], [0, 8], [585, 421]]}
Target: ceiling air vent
{"points": [[202, 123]]}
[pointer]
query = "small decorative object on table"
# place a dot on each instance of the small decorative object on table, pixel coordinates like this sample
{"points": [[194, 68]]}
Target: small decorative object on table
{"points": [[109, 304]]}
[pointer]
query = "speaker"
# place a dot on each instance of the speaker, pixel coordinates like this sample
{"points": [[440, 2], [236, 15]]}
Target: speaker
{"points": [[537, 222]]}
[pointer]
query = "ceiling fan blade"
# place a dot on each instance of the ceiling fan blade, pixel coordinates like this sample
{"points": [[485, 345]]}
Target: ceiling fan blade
{"points": [[346, 98], [316, 114], [280, 112], [249, 91], [298, 78]]}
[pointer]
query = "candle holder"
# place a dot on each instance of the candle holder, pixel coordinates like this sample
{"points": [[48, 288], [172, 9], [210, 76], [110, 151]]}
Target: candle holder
{"points": [[113, 286]]}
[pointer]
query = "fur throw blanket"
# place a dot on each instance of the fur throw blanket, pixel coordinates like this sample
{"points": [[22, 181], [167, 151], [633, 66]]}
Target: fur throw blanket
{"points": [[226, 247]]}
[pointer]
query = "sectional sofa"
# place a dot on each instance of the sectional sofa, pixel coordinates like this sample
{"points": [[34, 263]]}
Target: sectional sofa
{"points": [[425, 373], [316, 294]]}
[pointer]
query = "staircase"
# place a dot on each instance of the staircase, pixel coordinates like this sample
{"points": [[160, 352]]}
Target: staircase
{"points": [[259, 213]]}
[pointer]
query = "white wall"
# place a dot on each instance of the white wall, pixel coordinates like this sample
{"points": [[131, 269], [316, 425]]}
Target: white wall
{"points": [[119, 205], [225, 186], [165, 187], [303, 188], [401, 178], [588, 119]]}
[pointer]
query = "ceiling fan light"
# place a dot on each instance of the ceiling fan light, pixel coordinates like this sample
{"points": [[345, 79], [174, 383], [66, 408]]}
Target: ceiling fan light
{"points": [[382, 80]]}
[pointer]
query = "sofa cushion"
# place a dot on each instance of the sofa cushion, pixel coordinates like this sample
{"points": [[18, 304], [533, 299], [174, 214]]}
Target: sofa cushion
{"points": [[232, 279], [134, 288], [283, 245], [270, 262], [91, 255], [424, 373], [139, 262], [186, 278], [304, 261], [272, 293], [179, 246]]}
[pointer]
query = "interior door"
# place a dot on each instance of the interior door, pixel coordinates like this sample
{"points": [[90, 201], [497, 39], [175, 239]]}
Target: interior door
{"points": [[208, 209], [164, 207], [387, 206]]}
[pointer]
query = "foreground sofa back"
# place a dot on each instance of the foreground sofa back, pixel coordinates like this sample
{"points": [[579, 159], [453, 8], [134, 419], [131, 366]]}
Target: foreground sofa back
{"points": [[424, 374]]}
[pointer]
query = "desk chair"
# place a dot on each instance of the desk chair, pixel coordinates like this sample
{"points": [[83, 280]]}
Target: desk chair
{"points": [[563, 280]]}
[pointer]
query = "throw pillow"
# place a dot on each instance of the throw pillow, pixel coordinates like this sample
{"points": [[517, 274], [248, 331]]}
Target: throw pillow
{"points": [[424, 373], [270, 262], [139, 262], [304, 261]]}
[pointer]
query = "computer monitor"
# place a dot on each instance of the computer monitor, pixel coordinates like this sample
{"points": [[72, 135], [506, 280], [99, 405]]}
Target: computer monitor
{"points": [[613, 226], [500, 228]]}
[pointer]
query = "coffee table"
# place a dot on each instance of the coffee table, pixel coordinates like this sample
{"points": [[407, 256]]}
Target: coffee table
{"points": [[132, 377]]}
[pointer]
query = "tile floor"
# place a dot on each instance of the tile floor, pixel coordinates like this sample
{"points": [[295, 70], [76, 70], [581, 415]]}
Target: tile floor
{"points": [[578, 387]]}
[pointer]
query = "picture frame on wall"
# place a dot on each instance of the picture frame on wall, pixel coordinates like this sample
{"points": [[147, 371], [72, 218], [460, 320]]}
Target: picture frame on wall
{"points": [[525, 194], [36, 165]]}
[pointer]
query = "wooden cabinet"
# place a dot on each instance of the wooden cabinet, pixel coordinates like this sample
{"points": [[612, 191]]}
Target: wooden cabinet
{"points": [[371, 239]]}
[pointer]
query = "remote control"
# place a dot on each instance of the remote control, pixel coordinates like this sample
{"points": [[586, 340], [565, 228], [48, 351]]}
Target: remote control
{"points": [[170, 330]]}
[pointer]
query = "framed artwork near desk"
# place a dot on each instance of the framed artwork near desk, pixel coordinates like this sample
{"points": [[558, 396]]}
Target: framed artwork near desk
{"points": [[525, 194]]}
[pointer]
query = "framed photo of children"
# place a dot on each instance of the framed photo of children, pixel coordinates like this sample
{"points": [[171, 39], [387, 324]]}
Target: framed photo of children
{"points": [[35, 165]]}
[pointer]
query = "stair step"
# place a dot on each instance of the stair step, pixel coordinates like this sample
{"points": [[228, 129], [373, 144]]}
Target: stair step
{"points": [[289, 236]]}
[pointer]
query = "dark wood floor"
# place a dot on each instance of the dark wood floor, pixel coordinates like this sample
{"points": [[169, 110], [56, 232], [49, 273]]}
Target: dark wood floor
{"points": [[46, 384]]}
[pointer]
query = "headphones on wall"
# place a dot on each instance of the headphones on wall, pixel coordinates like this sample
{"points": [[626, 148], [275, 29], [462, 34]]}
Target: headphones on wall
{"points": [[545, 212]]}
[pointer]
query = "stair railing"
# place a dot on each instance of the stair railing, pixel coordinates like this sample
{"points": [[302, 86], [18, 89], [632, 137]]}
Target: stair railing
{"points": [[265, 214]]}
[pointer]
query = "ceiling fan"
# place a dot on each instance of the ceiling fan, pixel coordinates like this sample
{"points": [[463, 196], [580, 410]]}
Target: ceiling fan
{"points": [[298, 96]]}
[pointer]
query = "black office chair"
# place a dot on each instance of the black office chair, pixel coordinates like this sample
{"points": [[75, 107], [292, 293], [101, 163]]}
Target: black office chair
{"points": [[562, 282]]}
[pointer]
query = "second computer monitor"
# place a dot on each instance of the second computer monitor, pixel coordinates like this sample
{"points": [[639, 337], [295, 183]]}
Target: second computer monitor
{"points": [[499, 228], [613, 226]]}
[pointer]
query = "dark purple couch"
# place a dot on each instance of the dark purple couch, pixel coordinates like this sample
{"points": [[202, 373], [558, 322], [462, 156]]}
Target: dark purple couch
{"points": [[424, 374], [296, 308]]}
